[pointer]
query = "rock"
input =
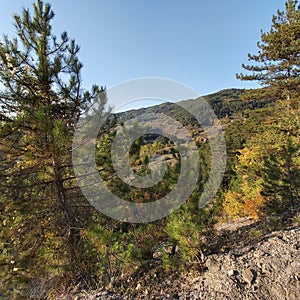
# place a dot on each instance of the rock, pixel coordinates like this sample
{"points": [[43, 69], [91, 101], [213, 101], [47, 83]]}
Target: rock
{"points": [[164, 248], [212, 265], [249, 276], [231, 273], [269, 267]]}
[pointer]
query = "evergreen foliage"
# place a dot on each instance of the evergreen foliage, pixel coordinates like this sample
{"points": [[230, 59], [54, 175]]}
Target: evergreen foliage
{"points": [[41, 98], [51, 236], [277, 62]]}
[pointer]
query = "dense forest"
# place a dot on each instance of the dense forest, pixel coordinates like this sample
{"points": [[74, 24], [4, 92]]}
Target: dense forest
{"points": [[53, 239]]}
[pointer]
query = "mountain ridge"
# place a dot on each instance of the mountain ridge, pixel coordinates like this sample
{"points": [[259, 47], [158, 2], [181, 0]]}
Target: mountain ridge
{"points": [[226, 102]]}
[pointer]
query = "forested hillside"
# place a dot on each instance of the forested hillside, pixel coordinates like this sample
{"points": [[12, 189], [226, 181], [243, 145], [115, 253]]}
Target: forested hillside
{"points": [[54, 242]]}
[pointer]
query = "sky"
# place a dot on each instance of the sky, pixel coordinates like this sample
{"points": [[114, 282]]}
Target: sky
{"points": [[199, 43]]}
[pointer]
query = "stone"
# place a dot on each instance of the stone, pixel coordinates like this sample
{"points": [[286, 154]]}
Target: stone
{"points": [[249, 276], [231, 273], [269, 270], [212, 265]]}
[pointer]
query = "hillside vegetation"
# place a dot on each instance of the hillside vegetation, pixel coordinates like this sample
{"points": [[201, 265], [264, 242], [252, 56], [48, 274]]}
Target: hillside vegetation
{"points": [[54, 242]]}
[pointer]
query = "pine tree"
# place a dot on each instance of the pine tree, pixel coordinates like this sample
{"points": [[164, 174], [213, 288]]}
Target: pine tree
{"points": [[281, 170], [41, 98], [278, 60], [281, 184]]}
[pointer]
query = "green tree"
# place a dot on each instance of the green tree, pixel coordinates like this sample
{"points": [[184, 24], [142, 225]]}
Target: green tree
{"points": [[277, 62], [41, 98], [282, 179], [282, 168]]}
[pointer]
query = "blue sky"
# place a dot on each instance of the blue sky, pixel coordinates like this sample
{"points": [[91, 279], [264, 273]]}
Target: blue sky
{"points": [[201, 44]]}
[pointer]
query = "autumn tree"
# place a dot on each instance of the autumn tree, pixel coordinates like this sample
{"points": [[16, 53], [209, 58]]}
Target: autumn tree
{"points": [[276, 147], [265, 177], [277, 63]]}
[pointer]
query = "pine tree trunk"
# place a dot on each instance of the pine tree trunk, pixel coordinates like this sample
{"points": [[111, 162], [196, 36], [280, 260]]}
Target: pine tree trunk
{"points": [[72, 237]]}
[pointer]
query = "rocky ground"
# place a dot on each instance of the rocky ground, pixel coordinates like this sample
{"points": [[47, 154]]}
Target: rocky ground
{"points": [[268, 269]]}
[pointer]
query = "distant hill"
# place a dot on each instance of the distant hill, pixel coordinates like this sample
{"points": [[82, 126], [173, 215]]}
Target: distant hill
{"points": [[224, 103]]}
